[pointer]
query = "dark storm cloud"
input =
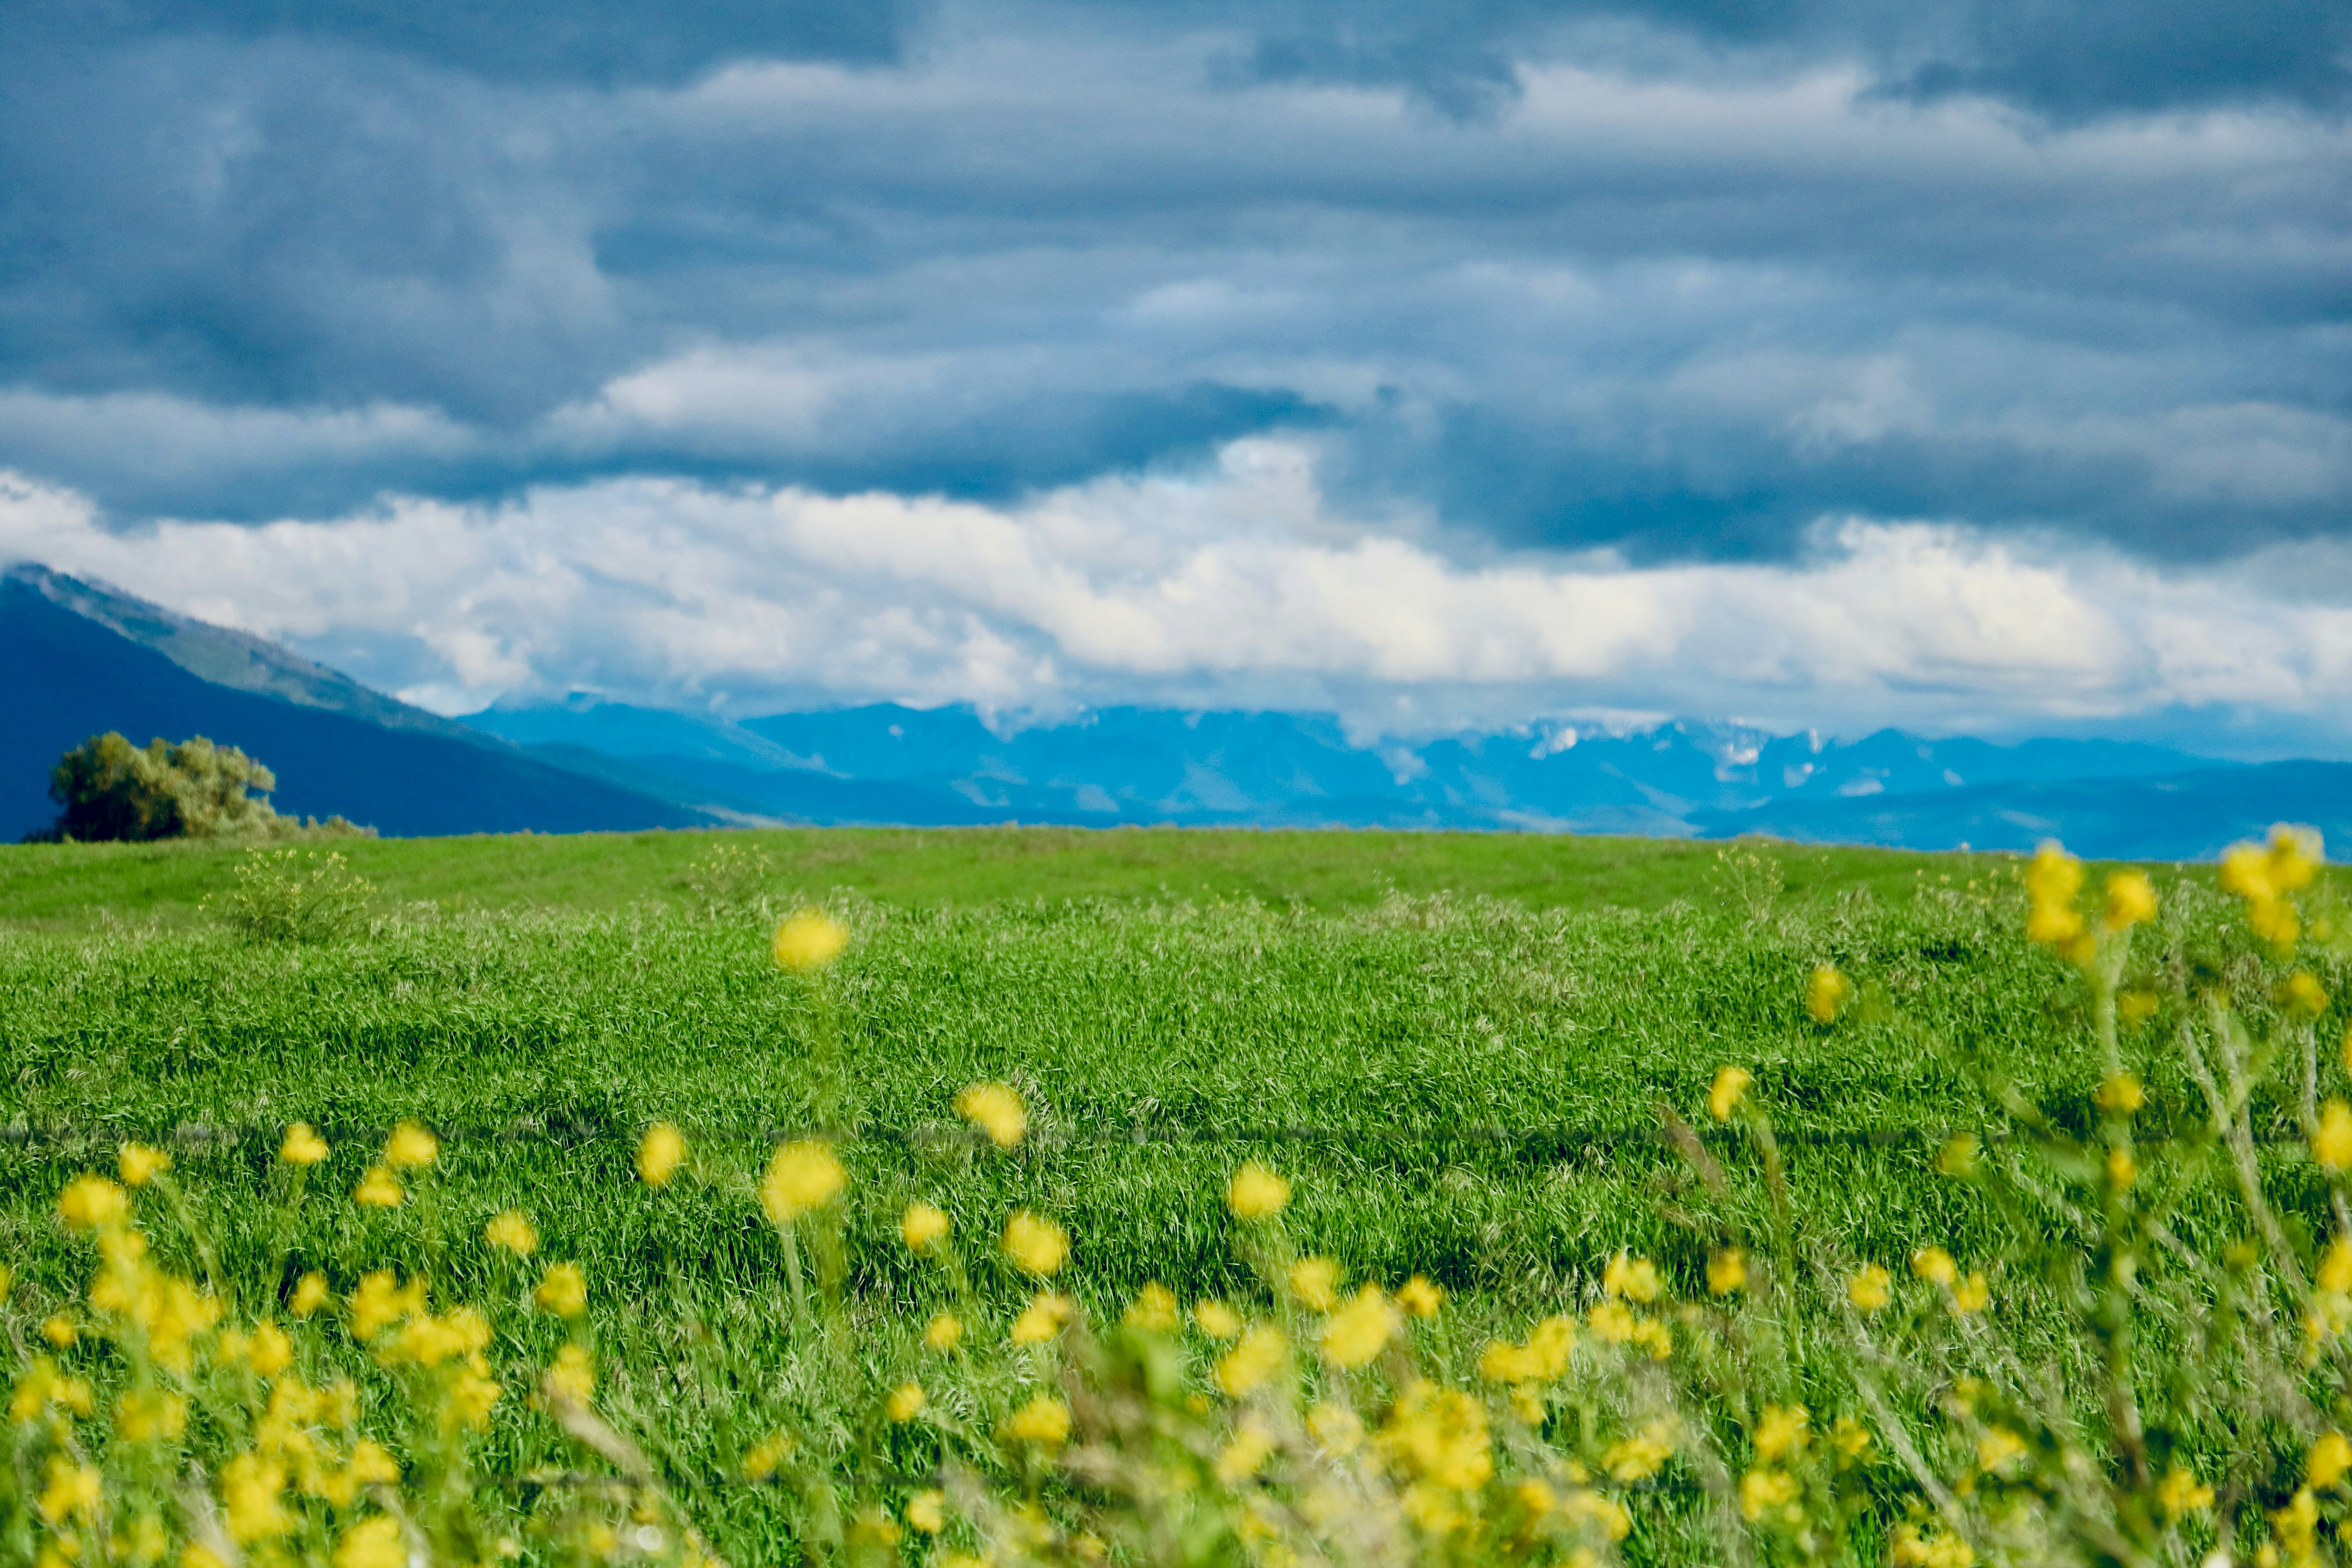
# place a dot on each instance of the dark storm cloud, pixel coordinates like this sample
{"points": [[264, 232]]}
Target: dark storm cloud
{"points": [[1677, 280]]}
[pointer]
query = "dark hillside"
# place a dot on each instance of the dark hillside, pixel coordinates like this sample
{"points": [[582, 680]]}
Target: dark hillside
{"points": [[68, 678]]}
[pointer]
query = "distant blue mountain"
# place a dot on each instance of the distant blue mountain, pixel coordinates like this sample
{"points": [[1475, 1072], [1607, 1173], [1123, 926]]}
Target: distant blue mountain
{"points": [[941, 766], [336, 747], [78, 658]]}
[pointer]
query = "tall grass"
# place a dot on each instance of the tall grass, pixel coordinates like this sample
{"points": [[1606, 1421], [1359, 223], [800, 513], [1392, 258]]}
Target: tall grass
{"points": [[1438, 1232]]}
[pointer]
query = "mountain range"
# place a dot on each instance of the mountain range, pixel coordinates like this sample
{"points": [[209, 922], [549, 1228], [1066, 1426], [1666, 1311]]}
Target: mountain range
{"points": [[82, 658]]}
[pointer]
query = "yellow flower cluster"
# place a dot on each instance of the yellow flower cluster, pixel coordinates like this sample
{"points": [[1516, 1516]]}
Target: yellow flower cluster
{"points": [[808, 941], [659, 1154], [1826, 991], [996, 1111], [1542, 1358], [1035, 1243], [1257, 1192], [1357, 1331], [2264, 875], [2053, 880], [802, 1176]]}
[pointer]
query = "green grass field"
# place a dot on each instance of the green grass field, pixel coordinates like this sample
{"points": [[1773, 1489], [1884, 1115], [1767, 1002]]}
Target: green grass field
{"points": [[1459, 1048], [79, 886]]}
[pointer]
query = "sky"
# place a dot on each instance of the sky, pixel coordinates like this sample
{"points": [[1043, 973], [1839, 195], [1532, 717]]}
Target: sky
{"points": [[1968, 365]]}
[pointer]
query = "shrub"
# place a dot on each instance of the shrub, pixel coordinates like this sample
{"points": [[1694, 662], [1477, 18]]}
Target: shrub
{"points": [[295, 895], [114, 791]]}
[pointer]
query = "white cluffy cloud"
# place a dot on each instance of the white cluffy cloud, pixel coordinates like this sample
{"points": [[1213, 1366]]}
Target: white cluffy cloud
{"points": [[1238, 584]]}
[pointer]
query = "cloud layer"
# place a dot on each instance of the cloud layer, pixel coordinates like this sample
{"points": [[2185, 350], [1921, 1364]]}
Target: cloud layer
{"points": [[1236, 585], [1954, 305]]}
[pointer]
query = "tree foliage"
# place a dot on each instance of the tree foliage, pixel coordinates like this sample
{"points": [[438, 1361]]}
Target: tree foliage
{"points": [[112, 790]]}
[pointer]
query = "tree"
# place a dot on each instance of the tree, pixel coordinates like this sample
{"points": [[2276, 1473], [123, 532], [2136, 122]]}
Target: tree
{"points": [[112, 790]]}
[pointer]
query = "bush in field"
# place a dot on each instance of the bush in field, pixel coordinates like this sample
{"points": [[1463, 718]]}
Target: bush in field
{"points": [[730, 879], [294, 895], [112, 791], [2133, 1358]]}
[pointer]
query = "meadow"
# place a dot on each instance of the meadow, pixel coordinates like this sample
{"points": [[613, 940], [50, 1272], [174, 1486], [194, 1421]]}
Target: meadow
{"points": [[1487, 1063]]}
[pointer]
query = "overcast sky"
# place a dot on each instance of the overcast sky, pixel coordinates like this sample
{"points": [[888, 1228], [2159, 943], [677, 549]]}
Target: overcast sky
{"points": [[1966, 365]]}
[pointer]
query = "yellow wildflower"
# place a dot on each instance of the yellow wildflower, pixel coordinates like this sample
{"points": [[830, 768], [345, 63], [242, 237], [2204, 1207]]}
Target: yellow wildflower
{"points": [[1335, 1427], [372, 1543], [1998, 1449], [1723, 1095], [2131, 899], [1534, 1498], [1257, 1357], [1783, 1431], [1634, 1277], [1869, 1287], [1315, 1282], [802, 1176], [1154, 1310], [996, 1111], [1217, 1321], [562, 1291], [923, 1226], [1764, 1491], [250, 1487], [1419, 1297], [410, 1146], [139, 1165], [1935, 1265], [1438, 1436], [2121, 1094], [2331, 1145], [72, 1494], [926, 1510], [574, 1373], [808, 941], [1035, 1243], [511, 1231], [2052, 878], [1913, 1550], [905, 1403], [59, 1331], [2302, 994], [1972, 1294], [1043, 1319], [382, 1300], [2122, 1170], [944, 1332], [309, 1294], [1726, 1271], [659, 1154], [91, 1202], [1251, 1446], [2335, 1266], [468, 1400], [2182, 1493], [2136, 1007], [1257, 1192], [2330, 1461], [1044, 1420], [1642, 1456], [766, 1456], [1826, 990], [147, 1416], [268, 1351], [1848, 1436], [378, 1189], [1606, 1512], [302, 1146], [1356, 1333]]}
